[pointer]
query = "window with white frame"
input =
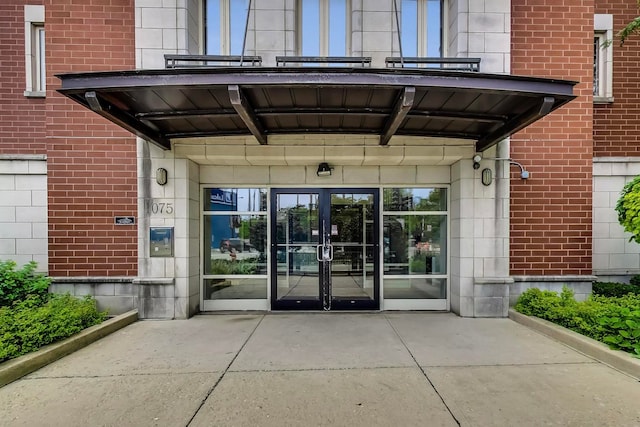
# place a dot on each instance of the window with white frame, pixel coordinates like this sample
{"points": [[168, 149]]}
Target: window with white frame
{"points": [[603, 58], [34, 51], [323, 27], [421, 27], [225, 26]]}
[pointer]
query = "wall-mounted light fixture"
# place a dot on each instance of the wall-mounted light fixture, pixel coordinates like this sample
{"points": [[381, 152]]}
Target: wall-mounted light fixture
{"points": [[524, 174], [487, 176], [324, 169], [161, 176], [476, 161]]}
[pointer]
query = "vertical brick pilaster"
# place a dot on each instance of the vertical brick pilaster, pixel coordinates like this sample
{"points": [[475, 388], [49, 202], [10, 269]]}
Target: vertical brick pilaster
{"points": [[551, 212], [92, 162]]}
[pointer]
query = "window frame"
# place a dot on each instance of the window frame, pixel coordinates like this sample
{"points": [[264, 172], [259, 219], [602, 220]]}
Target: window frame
{"points": [[224, 25], [324, 28], [35, 53], [422, 42], [603, 58]]}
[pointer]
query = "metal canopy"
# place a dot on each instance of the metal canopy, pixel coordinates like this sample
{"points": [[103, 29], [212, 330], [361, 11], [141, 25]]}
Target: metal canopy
{"points": [[161, 105]]}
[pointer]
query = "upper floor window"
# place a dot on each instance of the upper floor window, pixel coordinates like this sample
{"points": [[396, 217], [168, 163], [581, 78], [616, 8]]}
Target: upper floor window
{"points": [[603, 58], [35, 71], [324, 25], [421, 27], [225, 26]]}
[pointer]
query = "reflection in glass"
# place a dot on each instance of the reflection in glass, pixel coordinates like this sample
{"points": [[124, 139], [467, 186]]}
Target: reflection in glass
{"points": [[415, 244], [235, 199], [235, 244], [235, 288], [352, 237], [415, 288], [297, 237], [415, 199]]}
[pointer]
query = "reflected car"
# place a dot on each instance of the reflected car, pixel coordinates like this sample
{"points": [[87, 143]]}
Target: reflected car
{"points": [[237, 245]]}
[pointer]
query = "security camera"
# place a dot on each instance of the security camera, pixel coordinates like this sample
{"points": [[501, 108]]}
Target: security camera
{"points": [[476, 161]]}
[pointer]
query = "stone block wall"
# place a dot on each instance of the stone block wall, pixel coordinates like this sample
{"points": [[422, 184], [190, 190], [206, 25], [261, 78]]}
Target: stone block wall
{"points": [[23, 209], [615, 258]]}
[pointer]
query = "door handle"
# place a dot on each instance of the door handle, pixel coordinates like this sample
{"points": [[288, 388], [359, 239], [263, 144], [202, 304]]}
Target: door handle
{"points": [[324, 253]]}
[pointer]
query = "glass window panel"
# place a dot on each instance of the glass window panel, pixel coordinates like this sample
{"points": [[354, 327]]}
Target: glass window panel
{"points": [[235, 244], [415, 288], [337, 28], [596, 65], [415, 199], [212, 25], [415, 244], [235, 199], [237, 21], [409, 28], [310, 31], [434, 28], [236, 288], [41, 74]]}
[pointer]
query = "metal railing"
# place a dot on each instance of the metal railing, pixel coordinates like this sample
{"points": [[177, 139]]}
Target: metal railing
{"points": [[193, 61], [449, 64], [363, 61]]}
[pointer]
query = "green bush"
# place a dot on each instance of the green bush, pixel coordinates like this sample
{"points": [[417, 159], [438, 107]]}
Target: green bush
{"points": [[223, 266], [614, 289], [635, 280], [628, 208], [29, 324], [612, 320], [16, 285]]}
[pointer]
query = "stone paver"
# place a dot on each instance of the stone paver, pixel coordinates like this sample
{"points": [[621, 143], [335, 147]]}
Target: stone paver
{"points": [[356, 369]]}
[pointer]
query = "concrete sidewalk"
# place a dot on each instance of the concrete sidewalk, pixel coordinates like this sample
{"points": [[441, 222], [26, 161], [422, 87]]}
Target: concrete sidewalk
{"points": [[364, 369]]}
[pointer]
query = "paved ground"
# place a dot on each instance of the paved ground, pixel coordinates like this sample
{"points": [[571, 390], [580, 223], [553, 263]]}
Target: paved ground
{"points": [[367, 369]]}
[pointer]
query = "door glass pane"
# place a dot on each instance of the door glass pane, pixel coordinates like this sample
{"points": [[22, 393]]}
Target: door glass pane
{"points": [[296, 236], [352, 237]]}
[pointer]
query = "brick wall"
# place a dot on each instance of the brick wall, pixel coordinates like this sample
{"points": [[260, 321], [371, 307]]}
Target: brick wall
{"points": [[92, 163], [616, 127], [551, 215], [21, 119]]}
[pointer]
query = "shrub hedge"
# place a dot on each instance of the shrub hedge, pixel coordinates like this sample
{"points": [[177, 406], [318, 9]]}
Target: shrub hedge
{"points": [[17, 284], [30, 317], [612, 320], [30, 324], [614, 289]]}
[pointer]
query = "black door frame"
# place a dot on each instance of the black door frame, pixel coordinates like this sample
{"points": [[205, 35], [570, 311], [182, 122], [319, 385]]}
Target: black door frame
{"points": [[325, 299]]}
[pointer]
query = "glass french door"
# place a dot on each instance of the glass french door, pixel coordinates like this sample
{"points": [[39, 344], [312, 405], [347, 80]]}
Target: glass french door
{"points": [[324, 249]]}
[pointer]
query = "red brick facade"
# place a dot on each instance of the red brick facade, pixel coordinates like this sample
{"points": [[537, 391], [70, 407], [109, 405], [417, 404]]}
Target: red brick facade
{"points": [[551, 212], [91, 163], [22, 119], [616, 126]]}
